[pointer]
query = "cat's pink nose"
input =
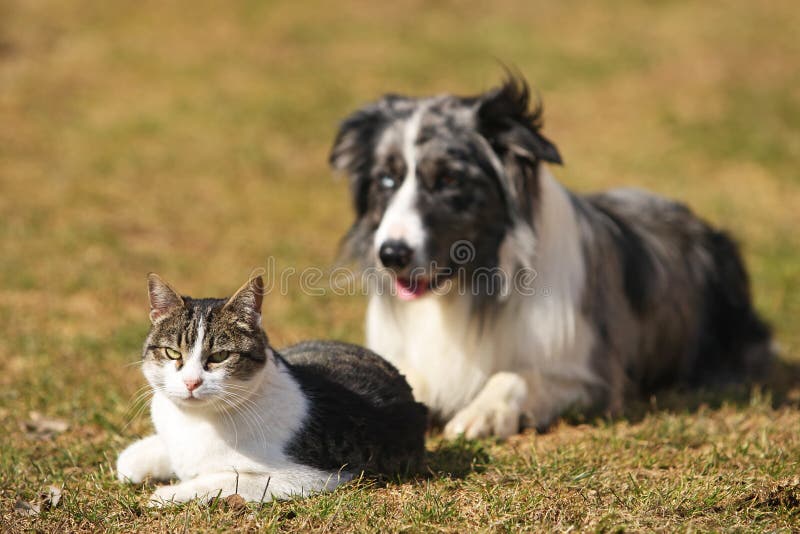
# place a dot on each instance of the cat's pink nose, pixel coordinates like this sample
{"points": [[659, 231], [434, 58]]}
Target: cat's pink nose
{"points": [[193, 384]]}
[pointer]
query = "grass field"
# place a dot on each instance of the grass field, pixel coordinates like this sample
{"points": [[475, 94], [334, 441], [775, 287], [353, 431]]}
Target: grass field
{"points": [[192, 140]]}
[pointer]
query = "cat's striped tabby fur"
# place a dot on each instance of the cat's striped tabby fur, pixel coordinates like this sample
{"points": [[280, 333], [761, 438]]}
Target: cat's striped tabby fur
{"points": [[233, 415]]}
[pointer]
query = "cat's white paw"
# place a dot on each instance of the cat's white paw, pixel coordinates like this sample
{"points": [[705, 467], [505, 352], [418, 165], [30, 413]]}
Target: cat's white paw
{"points": [[131, 468], [496, 411], [163, 496], [144, 458], [184, 492], [171, 494]]}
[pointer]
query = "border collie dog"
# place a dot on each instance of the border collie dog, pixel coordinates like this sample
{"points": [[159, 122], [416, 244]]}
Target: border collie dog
{"points": [[622, 292]]}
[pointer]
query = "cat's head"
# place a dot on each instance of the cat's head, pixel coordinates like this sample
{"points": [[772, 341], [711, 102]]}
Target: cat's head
{"points": [[205, 351]]}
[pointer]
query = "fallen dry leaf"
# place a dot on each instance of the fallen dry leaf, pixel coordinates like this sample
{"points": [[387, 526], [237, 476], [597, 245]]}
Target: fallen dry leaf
{"points": [[25, 508], [49, 498], [41, 427]]}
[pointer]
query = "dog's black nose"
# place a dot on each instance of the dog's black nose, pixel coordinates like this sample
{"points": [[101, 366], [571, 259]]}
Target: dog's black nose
{"points": [[395, 254]]}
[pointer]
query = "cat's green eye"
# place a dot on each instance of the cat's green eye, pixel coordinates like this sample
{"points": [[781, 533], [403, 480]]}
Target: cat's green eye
{"points": [[219, 357], [172, 354]]}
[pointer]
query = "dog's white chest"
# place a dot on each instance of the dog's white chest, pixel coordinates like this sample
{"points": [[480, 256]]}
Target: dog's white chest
{"points": [[447, 355], [428, 340]]}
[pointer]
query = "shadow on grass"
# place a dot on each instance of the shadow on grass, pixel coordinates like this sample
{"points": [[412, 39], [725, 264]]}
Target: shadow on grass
{"points": [[457, 458], [453, 459], [780, 387]]}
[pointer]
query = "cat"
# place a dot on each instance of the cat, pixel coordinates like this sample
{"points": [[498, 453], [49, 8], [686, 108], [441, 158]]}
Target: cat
{"points": [[234, 416]]}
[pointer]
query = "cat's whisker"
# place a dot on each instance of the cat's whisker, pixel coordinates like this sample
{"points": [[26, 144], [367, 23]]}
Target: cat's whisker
{"points": [[140, 389], [230, 418], [242, 399], [257, 424], [250, 416], [248, 409], [239, 407], [137, 412], [258, 421], [140, 395]]}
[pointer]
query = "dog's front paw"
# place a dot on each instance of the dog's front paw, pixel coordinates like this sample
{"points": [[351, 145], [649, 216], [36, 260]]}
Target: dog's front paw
{"points": [[474, 422], [496, 411]]}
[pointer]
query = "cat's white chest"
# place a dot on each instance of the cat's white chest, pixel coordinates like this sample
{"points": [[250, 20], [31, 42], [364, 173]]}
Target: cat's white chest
{"points": [[197, 445]]}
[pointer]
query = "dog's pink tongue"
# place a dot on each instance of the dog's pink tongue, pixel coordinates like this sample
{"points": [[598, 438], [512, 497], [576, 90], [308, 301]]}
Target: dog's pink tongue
{"points": [[410, 289]]}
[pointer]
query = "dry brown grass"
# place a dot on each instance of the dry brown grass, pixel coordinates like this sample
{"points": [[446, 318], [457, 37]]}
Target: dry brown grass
{"points": [[192, 139]]}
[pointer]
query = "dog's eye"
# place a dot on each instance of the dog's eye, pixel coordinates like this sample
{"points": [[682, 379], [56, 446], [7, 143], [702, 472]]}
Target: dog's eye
{"points": [[446, 180], [387, 182]]}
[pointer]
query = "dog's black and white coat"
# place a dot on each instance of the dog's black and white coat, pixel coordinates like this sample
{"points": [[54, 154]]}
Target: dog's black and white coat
{"points": [[631, 291]]}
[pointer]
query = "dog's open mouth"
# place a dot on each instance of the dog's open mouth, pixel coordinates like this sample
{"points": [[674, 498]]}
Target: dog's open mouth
{"points": [[411, 288]]}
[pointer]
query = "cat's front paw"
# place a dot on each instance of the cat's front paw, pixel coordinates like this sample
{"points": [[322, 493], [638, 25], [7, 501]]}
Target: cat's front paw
{"points": [[131, 468], [184, 492], [145, 458], [166, 496]]}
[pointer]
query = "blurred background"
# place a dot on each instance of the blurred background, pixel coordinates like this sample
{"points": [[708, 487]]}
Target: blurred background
{"points": [[191, 139]]}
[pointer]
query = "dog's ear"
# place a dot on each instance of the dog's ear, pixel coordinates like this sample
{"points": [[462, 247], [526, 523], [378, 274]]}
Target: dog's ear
{"points": [[354, 149], [503, 117]]}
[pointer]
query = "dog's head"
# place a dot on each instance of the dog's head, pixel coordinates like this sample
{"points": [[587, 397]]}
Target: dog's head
{"points": [[430, 175]]}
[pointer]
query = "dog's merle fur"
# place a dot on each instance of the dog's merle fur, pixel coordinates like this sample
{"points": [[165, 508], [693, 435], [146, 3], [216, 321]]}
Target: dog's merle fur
{"points": [[663, 296], [483, 205]]}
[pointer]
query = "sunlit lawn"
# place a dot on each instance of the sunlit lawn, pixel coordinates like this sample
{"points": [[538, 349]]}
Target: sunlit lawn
{"points": [[192, 140]]}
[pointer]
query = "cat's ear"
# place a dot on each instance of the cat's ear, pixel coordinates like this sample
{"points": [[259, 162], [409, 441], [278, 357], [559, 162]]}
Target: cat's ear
{"points": [[163, 299], [246, 302]]}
